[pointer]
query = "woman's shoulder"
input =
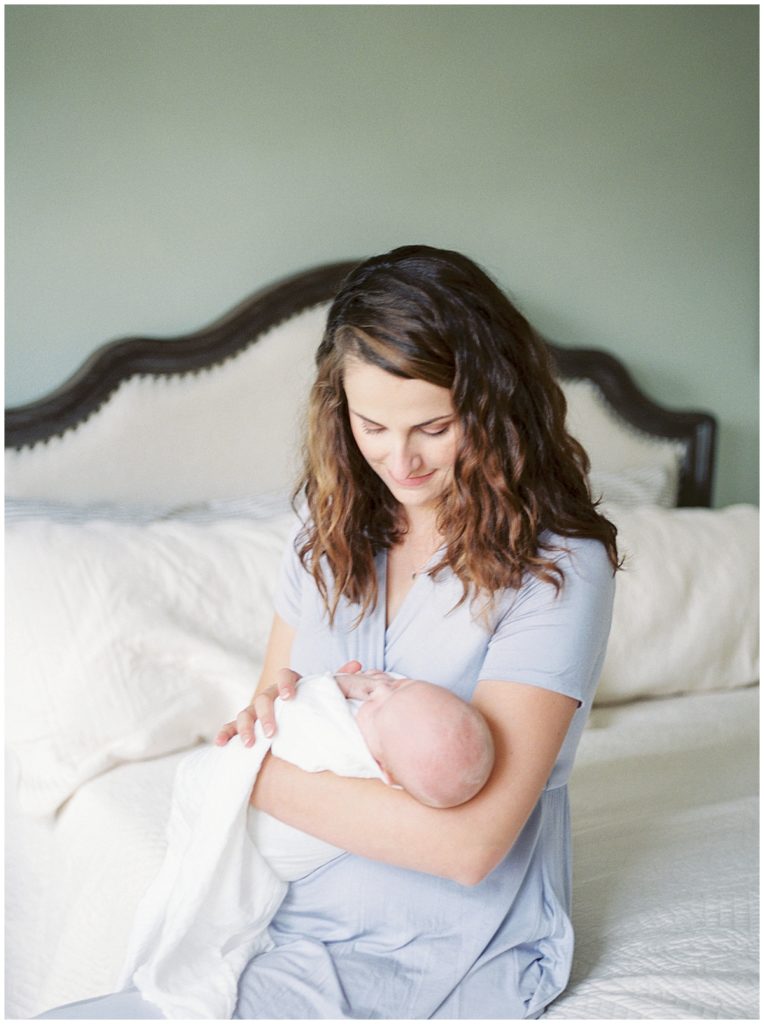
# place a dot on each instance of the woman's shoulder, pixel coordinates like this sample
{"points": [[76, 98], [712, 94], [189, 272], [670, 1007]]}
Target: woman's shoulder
{"points": [[584, 569], [584, 556]]}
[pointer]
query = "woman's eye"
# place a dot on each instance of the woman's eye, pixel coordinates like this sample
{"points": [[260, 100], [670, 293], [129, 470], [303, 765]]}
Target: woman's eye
{"points": [[430, 433]]}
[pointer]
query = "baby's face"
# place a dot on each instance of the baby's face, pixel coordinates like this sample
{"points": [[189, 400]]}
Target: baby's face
{"points": [[424, 738], [381, 717], [405, 724]]}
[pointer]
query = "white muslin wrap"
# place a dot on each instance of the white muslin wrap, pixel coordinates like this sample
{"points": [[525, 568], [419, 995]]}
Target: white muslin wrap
{"points": [[227, 866]]}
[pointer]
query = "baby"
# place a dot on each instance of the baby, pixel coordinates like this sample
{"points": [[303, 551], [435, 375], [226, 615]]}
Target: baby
{"points": [[411, 734], [227, 865], [424, 738]]}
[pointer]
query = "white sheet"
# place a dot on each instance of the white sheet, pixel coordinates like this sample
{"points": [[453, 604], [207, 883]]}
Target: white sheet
{"points": [[207, 912], [665, 867]]}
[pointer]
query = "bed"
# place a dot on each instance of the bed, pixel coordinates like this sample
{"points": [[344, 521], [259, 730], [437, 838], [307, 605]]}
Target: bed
{"points": [[146, 509]]}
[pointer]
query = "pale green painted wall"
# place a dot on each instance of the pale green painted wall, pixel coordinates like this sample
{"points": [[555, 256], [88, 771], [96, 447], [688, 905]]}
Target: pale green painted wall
{"points": [[600, 161]]}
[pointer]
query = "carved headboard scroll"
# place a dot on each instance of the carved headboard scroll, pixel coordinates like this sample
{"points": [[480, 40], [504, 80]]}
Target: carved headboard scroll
{"points": [[116, 361], [217, 413], [695, 431]]}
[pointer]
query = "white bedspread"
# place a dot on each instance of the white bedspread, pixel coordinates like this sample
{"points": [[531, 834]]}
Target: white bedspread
{"points": [[665, 889], [665, 835], [206, 914]]}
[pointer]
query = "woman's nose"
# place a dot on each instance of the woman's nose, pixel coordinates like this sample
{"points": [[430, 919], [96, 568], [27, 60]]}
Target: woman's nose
{"points": [[404, 460]]}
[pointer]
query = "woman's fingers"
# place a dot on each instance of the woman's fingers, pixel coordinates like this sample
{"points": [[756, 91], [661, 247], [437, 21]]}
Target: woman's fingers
{"points": [[245, 726], [226, 732], [286, 683], [285, 687], [350, 667], [264, 710], [261, 708]]}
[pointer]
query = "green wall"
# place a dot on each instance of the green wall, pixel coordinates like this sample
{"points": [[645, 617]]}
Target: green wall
{"points": [[600, 161]]}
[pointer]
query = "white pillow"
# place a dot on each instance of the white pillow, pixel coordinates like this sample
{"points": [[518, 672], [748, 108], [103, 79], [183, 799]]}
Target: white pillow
{"points": [[127, 641], [261, 506], [686, 603], [638, 485]]}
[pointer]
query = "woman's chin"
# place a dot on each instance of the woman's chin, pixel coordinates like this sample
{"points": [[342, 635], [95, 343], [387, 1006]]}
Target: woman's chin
{"points": [[413, 502]]}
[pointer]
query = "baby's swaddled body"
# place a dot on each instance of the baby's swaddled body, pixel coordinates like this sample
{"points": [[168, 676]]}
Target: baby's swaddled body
{"points": [[226, 865], [290, 852]]}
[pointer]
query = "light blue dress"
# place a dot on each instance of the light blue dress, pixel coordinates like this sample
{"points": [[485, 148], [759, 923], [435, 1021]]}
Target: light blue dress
{"points": [[360, 939]]}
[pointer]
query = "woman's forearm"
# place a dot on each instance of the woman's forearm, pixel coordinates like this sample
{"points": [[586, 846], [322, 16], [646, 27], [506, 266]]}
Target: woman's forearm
{"points": [[465, 843], [366, 817]]}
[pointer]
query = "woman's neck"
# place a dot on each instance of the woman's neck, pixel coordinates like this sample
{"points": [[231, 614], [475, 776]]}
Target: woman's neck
{"points": [[420, 524], [419, 542]]}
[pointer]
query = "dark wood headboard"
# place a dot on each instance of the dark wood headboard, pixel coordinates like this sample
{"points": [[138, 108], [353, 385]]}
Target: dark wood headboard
{"points": [[116, 361]]}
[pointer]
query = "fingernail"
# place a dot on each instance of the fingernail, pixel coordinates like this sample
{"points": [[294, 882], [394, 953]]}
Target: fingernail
{"points": [[268, 730], [249, 741]]}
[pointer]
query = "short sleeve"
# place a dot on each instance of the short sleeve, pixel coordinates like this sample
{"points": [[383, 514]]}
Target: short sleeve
{"points": [[557, 640], [288, 597]]}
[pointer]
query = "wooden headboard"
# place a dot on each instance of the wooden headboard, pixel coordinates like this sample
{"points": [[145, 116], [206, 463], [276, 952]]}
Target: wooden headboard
{"points": [[217, 413]]}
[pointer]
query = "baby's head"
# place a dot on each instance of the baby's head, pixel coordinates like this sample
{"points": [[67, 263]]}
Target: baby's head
{"points": [[428, 740]]}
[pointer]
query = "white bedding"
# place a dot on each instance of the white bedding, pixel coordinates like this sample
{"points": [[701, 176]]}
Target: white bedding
{"points": [[665, 826], [665, 859]]}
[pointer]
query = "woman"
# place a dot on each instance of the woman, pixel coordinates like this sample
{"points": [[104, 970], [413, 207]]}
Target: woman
{"points": [[450, 536]]}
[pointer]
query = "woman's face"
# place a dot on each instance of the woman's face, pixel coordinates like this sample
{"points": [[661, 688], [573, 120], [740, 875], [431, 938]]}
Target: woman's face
{"points": [[406, 430]]}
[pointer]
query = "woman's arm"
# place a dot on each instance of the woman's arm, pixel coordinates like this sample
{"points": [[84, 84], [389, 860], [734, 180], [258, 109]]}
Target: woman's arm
{"points": [[463, 843]]}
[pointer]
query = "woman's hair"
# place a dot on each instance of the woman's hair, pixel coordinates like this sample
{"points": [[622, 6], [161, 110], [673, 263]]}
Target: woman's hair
{"points": [[433, 315]]}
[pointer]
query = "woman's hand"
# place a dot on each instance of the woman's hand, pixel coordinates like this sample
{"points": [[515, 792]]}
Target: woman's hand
{"points": [[361, 685], [261, 707]]}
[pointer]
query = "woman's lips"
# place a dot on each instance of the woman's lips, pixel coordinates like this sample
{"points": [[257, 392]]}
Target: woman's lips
{"points": [[413, 481]]}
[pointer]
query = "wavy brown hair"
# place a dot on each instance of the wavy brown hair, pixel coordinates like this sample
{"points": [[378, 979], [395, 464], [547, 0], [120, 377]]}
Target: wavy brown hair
{"points": [[432, 314]]}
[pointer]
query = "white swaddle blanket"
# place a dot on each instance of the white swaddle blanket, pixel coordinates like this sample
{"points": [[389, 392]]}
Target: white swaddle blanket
{"points": [[227, 866]]}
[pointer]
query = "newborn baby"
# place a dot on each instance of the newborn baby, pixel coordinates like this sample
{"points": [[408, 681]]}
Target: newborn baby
{"points": [[227, 865], [423, 737], [413, 735]]}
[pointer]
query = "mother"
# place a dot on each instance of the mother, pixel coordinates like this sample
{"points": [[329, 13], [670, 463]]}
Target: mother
{"points": [[450, 536]]}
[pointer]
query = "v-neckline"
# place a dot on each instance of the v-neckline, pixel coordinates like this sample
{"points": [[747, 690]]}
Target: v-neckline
{"points": [[398, 617], [386, 581]]}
